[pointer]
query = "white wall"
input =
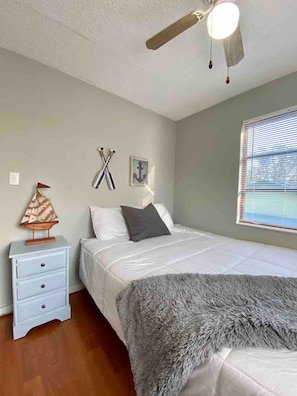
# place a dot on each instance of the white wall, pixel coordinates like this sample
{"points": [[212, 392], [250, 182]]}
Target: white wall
{"points": [[50, 126], [207, 162]]}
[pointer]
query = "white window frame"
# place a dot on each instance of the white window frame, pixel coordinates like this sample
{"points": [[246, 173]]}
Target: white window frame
{"points": [[288, 110]]}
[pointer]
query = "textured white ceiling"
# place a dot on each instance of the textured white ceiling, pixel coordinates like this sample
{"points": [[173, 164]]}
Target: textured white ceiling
{"points": [[103, 42]]}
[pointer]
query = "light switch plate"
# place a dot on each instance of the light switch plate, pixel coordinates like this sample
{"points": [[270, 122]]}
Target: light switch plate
{"points": [[14, 178]]}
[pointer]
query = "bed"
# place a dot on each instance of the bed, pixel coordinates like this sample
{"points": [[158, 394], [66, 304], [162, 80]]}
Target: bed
{"points": [[107, 267]]}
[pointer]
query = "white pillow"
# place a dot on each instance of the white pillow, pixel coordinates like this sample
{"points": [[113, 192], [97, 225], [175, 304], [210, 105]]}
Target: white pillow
{"points": [[164, 214], [108, 223]]}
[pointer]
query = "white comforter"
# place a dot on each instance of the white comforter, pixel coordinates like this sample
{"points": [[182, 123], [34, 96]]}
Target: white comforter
{"points": [[106, 267]]}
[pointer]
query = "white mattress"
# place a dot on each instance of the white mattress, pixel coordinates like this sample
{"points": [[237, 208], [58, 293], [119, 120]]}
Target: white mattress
{"points": [[106, 267]]}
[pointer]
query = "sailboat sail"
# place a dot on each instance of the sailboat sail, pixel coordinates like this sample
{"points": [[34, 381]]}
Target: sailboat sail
{"points": [[40, 210]]}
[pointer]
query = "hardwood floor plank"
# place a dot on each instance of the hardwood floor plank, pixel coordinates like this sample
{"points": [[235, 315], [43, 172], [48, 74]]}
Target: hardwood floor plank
{"points": [[81, 356], [34, 387], [12, 375], [105, 377]]}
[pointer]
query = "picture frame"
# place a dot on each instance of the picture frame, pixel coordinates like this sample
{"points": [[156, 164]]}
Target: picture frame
{"points": [[139, 170]]}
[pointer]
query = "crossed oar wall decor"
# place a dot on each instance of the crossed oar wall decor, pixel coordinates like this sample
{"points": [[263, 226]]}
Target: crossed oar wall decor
{"points": [[104, 173]]}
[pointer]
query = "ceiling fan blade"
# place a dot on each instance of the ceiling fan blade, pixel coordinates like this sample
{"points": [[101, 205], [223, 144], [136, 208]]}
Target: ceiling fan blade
{"points": [[233, 48], [173, 30]]}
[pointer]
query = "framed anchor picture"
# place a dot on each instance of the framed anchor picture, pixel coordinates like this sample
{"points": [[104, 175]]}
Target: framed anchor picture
{"points": [[139, 168]]}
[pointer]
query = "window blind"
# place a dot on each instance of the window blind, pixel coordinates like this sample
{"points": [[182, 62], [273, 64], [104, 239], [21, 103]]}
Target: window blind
{"points": [[268, 176]]}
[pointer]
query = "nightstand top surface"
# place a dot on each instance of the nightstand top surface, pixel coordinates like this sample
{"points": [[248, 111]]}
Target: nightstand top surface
{"points": [[18, 248]]}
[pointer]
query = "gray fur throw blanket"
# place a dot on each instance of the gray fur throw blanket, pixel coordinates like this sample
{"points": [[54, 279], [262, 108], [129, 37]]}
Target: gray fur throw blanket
{"points": [[172, 323]]}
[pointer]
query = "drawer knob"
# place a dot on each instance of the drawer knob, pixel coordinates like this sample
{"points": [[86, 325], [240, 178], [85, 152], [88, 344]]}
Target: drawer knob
{"points": [[42, 286], [43, 306], [42, 265]]}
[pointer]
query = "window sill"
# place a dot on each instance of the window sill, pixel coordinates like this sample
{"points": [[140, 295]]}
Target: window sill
{"points": [[266, 227]]}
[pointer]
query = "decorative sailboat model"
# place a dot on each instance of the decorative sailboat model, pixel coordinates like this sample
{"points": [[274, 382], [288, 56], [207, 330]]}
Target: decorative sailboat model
{"points": [[39, 216]]}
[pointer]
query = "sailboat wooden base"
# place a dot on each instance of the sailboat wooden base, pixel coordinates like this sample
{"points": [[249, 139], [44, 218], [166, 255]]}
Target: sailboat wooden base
{"points": [[39, 240], [40, 226]]}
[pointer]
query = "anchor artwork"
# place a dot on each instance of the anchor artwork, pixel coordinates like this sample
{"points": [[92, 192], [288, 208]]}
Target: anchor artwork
{"points": [[138, 172]]}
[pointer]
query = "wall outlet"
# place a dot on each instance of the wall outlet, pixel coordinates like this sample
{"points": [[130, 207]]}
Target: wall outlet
{"points": [[14, 178]]}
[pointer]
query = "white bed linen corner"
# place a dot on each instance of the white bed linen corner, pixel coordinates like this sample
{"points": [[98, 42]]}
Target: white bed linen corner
{"points": [[106, 267]]}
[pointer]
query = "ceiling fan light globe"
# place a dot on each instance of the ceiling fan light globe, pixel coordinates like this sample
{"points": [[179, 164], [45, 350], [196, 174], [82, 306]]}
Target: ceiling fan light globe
{"points": [[223, 20]]}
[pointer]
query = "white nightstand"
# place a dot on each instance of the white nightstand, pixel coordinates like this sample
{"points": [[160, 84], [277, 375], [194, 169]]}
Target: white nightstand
{"points": [[39, 283]]}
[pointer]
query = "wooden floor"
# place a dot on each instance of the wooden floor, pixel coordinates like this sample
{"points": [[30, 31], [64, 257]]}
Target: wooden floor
{"points": [[79, 357]]}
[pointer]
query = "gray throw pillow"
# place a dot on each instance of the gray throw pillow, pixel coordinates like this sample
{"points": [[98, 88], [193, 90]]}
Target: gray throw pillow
{"points": [[144, 223]]}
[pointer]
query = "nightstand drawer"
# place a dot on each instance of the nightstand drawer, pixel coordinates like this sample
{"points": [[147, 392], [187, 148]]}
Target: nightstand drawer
{"points": [[40, 285], [40, 264], [41, 306]]}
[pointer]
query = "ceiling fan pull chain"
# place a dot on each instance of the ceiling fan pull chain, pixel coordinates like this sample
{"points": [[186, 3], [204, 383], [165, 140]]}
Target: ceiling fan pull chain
{"points": [[228, 67], [228, 77], [210, 55]]}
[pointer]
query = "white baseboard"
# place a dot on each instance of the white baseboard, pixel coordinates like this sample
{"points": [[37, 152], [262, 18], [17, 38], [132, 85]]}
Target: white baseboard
{"points": [[6, 310], [72, 289], [76, 288]]}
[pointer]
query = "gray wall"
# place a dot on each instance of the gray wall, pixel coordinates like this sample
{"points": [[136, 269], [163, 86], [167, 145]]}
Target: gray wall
{"points": [[207, 162], [50, 126]]}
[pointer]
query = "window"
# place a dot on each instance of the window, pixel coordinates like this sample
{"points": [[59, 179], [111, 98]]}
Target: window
{"points": [[268, 171]]}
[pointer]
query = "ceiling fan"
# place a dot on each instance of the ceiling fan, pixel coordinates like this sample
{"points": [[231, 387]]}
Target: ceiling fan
{"points": [[222, 23]]}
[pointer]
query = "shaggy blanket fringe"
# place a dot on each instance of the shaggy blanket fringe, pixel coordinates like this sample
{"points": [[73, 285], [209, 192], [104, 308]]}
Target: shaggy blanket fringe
{"points": [[172, 323]]}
